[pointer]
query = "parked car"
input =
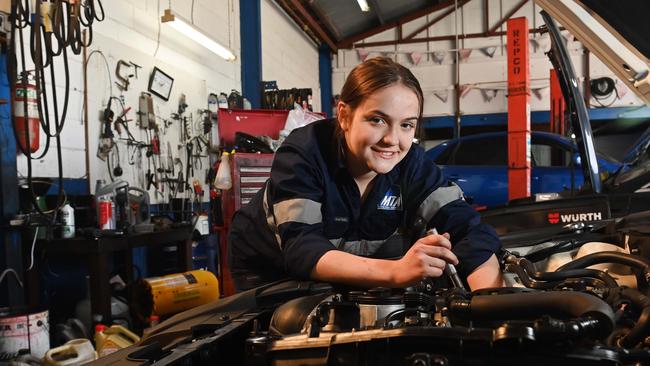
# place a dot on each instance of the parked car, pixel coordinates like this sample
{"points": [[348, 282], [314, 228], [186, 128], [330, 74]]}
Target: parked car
{"points": [[479, 165]]}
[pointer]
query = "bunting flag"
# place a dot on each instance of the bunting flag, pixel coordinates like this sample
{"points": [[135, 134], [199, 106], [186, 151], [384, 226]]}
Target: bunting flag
{"points": [[439, 56], [621, 89], [464, 89], [534, 44], [416, 57], [363, 54], [443, 95], [489, 94], [464, 53], [489, 51]]}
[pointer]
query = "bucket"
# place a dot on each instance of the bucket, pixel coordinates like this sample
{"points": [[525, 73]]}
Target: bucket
{"points": [[23, 331], [74, 352]]}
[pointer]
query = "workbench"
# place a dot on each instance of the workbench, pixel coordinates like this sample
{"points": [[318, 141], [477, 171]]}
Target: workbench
{"points": [[96, 253]]}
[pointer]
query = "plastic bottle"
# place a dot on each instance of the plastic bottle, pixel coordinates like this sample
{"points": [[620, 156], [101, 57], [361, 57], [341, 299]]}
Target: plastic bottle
{"points": [[113, 338], [223, 180], [74, 352], [67, 218]]}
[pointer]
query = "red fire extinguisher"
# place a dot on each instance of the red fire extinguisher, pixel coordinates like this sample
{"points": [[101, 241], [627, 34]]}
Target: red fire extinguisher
{"points": [[26, 93]]}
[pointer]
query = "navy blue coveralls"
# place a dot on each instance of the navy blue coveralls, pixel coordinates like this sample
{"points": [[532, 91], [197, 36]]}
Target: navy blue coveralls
{"points": [[311, 205]]}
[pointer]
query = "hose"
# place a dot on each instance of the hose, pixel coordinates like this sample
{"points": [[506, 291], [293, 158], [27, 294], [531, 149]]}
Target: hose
{"points": [[641, 327], [531, 305], [608, 280], [531, 278], [636, 262]]}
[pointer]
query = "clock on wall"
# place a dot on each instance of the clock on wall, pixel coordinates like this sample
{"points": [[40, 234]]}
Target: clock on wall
{"points": [[160, 83]]}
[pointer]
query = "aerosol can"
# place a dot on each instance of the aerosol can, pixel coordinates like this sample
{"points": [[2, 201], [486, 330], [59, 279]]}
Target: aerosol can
{"points": [[106, 200]]}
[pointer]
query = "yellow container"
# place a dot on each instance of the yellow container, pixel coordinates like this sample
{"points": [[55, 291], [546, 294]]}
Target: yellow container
{"points": [[74, 352], [113, 338], [175, 293]]}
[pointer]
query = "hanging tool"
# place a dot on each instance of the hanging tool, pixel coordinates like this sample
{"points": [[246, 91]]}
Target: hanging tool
{"points": [[146, 115], [106, 138], [123, 77], [135, 68], [121, 122]]}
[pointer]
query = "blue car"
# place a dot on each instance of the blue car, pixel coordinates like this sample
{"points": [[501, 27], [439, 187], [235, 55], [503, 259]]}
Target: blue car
{"points": [[479, 165]]}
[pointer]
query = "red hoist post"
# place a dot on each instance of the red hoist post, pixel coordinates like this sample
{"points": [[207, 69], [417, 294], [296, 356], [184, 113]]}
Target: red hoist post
{"points": [[558, 105], [518, 109]]}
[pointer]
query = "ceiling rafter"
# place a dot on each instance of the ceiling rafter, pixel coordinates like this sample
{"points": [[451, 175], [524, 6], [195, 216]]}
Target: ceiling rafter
{"points": [[437, 19], [507, 16], [349, 42], [442, 38], [299, 22], [374, 6], [313, 25]]}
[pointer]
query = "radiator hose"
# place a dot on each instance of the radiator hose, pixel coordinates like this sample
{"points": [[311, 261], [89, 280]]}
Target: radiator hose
{"points": [[533, 305]]}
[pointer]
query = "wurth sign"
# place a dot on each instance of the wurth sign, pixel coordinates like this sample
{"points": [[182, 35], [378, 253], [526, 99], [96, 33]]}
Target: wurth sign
{"points": [[556, 217]]}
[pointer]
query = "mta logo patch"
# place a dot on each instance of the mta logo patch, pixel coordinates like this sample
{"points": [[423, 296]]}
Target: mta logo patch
{"points": [[392, 200]]}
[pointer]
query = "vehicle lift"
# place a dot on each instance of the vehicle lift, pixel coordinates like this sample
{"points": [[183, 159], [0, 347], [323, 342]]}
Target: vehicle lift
{"points": [[518, 109]]}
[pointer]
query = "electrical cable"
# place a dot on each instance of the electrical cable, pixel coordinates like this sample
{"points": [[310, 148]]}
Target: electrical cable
{"points": [[11, 270], [158, 36], [31, 257]]}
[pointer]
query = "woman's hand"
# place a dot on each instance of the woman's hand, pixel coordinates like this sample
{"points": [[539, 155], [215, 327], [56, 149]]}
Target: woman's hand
{"points": [[426, 258]]}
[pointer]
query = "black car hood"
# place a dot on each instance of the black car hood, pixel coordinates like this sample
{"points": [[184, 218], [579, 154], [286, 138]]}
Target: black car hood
{"points": [[615, 31], [628, 18], [579, 116]]}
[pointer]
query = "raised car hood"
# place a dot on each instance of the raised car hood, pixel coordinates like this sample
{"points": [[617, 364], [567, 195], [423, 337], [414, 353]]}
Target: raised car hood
{"points": [[615, 31], [579, 117]]}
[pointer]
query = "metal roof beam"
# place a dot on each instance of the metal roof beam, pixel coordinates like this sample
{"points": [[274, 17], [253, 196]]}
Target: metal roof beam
{"points": [[507, 16], [374, 5], [313, 24], [441, 38], [437, 19], [349, 42]]}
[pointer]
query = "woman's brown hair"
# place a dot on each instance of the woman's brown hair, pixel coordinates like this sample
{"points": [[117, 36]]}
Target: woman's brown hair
{"points": [[375, 74]]}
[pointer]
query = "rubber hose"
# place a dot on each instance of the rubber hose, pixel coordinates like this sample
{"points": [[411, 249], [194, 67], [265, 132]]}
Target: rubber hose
{"points": [[532, 305], [640, 329], [607, 257]]}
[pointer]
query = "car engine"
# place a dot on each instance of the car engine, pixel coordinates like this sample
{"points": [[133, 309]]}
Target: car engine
{"points": [[570, 299]]}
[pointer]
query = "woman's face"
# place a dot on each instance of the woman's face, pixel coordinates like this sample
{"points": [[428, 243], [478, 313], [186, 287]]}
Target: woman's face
{"points": [[380, 131]]}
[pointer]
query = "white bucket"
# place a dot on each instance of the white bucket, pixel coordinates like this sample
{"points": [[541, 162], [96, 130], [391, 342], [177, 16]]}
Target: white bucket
{"points": [[15, 335]]}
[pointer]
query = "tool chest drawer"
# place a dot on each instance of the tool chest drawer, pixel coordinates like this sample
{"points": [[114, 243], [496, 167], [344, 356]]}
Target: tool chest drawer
{"points": [[249, 173]]}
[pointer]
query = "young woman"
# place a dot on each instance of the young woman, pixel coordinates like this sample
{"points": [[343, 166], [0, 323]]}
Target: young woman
{"points": [[350, 195]]}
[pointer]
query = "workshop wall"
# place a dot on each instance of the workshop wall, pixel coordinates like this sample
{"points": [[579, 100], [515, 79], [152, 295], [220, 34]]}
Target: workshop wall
{"points": [[288, 55], [483, 76], [131, 33]]}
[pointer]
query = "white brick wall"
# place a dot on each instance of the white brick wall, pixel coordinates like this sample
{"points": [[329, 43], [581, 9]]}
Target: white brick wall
{"points": [[288, 55]]}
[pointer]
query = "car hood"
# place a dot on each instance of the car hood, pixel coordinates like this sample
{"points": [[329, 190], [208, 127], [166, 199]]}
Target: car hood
{"points": [[615, 31], [579, 115]]}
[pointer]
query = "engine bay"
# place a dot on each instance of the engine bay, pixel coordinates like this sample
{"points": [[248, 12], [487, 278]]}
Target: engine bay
{"points": [[577, 295]]}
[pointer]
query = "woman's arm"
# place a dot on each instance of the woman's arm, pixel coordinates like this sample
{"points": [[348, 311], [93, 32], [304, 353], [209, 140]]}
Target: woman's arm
{"points": [[486, 275], [426, 258]]}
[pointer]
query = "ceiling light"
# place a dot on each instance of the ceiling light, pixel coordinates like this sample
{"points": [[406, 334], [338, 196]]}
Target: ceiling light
{"points": [[190, 31], [363, 4]]}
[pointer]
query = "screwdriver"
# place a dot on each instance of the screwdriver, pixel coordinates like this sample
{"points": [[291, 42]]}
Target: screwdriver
{"points": [[450, 269]]}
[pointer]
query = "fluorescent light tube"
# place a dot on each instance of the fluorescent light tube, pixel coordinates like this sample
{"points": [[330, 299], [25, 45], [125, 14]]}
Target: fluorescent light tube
{"points": [[190, 31], [363, 4]]}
